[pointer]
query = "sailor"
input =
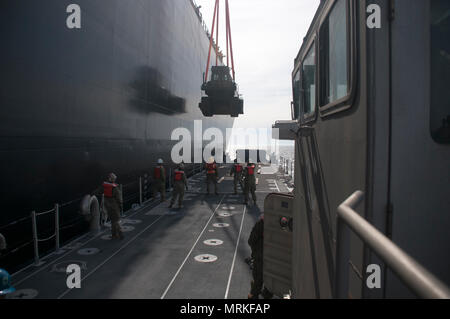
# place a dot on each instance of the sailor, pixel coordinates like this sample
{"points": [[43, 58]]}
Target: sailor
{"points": [[5, 284], [159, 180], [180, 182], [237, 170], [250, 182], [211, 174], [113, 204], [256, 242]]}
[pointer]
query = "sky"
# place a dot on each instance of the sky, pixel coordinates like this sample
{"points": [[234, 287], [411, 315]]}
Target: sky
{"points": [[267, 36]]}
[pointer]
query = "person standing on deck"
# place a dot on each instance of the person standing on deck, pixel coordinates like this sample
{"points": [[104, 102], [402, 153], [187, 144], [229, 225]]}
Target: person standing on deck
{"points": [[159, 180], [250, 182], [237, 170], [211, 175], [256, 242], [180, 182], [113, 203]]}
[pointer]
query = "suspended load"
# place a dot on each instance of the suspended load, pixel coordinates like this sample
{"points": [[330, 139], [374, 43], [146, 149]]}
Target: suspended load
{"points": [[222, 97]]}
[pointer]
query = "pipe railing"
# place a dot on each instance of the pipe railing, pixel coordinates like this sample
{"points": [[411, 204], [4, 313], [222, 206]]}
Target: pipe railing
{"points": [[143, 190], [410, 272], [36, 239]]}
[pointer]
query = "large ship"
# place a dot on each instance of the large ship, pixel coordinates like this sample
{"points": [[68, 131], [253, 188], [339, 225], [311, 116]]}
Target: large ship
{"points": [[78, 103]]}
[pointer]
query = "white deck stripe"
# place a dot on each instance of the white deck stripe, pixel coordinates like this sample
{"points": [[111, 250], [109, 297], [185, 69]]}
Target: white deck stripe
{"points": [[277, 186], [235, 253], [190, 252]]}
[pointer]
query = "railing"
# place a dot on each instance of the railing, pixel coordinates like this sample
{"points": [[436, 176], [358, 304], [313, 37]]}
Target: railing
{"points": [[142, 197], [36, 239], [411, 273]]}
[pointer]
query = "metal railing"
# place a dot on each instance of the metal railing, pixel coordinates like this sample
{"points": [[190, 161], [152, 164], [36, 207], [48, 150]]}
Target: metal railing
{"points": [[36, 239], [411, 273], [144, 195]]}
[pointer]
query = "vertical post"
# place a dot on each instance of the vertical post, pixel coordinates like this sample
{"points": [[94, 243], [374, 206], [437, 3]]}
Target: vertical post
{"points": [[35, 238], [342, 257], [57, 226], [140, 190], [121, 196]]}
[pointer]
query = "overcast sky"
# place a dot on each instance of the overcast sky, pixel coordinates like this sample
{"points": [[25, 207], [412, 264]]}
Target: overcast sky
{"points": [[267, 36]]}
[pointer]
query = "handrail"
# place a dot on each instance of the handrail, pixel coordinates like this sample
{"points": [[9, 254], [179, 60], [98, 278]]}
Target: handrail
{"points": [[413, 275]]}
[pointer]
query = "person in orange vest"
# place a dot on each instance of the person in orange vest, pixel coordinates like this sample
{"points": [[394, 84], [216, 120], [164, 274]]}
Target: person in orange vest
{"points": [[211, 175], [237, 171], [250, 182], [179, 183], [159, 180], [113, 204]]}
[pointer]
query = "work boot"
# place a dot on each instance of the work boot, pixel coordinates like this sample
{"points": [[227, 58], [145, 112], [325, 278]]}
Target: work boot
{"points": [[266, 294]]}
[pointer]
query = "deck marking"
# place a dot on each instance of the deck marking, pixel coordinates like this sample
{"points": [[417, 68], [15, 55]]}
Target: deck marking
{"points": [[206, 258], [114, 254], [127, 229], [24, 294], [70, 251], [88, 251], [221, 225], [213, 242], [235, 253], [190, 252]]}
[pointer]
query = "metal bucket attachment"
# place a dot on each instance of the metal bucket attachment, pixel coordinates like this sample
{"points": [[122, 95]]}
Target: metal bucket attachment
{"points": [[222, 97]]}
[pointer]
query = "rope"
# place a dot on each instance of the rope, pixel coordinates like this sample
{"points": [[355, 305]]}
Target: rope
{"points": [[46, 212], [16, 249], [15, 222], [211, 40], [45, 239]]}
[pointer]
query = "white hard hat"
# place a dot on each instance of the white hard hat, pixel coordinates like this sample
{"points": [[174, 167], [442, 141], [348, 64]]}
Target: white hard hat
{"points": [[112, 177], [160, 161]]}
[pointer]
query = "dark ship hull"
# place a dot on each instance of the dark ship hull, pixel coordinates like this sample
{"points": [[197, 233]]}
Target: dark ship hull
{"points": [[79, 103]]}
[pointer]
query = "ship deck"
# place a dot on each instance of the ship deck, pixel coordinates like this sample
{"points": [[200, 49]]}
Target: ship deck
{"points": [[197, 252]]}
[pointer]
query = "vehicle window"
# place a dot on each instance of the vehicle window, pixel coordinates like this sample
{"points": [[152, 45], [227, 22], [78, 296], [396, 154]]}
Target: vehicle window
{"points": [[296, 94], [440, 71], [333, 55], [308, 79]]}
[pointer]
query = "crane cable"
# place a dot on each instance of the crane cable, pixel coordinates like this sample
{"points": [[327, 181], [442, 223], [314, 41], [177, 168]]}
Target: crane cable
{"points": [[215, 24]]}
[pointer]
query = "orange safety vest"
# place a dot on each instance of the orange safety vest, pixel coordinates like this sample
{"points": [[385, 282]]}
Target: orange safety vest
{"points": [[238, 168], [157, 172], [108, 189], [179, 176], [251, 170], [211, 168]]}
